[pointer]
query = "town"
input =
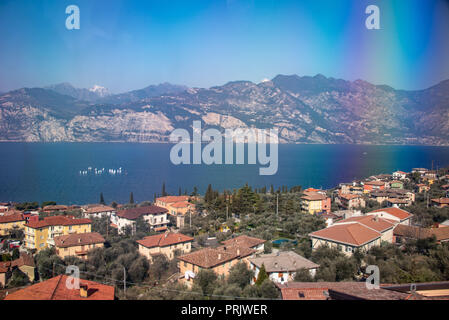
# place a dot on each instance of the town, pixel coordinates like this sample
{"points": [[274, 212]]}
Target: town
{"points": [[248, 243]]}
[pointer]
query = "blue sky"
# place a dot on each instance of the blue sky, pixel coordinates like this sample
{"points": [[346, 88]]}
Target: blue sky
{"points": [[126, 45]]}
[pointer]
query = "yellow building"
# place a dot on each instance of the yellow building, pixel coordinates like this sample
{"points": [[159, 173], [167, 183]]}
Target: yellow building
{"points": [[78, 244], [40, 234], [315, 202], [166, 244], [10, 222]]}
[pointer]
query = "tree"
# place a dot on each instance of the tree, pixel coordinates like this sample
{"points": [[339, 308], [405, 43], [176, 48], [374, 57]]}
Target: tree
{"points": [[15, 254], [18, 279], [206, 280], [48, 203], [303, 275], [240, 275], [262, 276], [102, 199], [164, 193], [268, 290], [114, 204], [131, 198]]}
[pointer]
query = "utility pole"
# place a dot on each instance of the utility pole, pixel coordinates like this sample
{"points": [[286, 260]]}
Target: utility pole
{"points": [[190, 214], [124, 281], [227, 212], [107, 226], [277, 204]]}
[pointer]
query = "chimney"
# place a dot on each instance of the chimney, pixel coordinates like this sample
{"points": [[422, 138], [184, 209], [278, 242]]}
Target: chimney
{"points": [[84, 291], [79, 240], [219, 256], [238, 251]]}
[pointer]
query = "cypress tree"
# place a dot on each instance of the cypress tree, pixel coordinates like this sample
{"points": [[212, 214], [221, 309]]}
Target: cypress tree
{"points": [[131, 198], [262, 276], [102, 199], [164, 193]]}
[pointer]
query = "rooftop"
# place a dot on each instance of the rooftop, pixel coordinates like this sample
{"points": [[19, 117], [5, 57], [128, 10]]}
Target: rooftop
{"points": [[354, 234], [283, 261], [164, 239], [78, 239], [398, 213], [134, 213], [56, 289], [57, 221], [244, 241]]}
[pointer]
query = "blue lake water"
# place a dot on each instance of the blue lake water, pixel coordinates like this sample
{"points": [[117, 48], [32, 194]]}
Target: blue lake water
{"points": [[51, 171]]}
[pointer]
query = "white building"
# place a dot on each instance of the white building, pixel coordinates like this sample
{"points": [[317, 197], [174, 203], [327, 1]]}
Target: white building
{"points": [[98, 211], [155, 216], [281, 267]]}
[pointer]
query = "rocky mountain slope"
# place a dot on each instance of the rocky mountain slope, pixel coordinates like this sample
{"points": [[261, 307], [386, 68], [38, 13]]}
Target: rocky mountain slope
{"points": [[304, 110]]}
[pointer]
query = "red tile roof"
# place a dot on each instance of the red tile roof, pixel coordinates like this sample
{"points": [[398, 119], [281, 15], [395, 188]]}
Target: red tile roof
{"points": [[57, 221], [441, 200], [399, 213], [78, 239], [354, 234], [99, 209], [370, 221], [56, 289], [244, 241], [210, 258], [11, 218], [164, 239], [171, 199], [134, 213]]}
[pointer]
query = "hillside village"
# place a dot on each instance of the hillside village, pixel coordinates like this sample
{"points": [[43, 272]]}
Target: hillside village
{"points": [[289, 243]]}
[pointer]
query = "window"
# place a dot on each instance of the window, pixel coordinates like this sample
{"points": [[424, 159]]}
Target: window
{"points": [[348, 249]]}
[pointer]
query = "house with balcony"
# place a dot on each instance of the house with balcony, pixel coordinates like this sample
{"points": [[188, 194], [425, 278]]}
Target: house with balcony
{"points": [[166, 244], [78, 244], [155, 216], [98, 211], [315, 202], [40, 234], [350, 201]]}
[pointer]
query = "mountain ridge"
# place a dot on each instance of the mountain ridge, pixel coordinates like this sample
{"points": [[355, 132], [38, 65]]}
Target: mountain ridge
{"points": [[308, 109]]}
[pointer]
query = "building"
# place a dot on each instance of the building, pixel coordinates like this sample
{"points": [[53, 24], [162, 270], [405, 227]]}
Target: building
{"points": [[369, 186], [166, 243], [440, 202], [395, 214], [98, 211], [359, 232], [24, 263], [399, 175], [55, 208], [359, 291], [402, 233], [396, 184], [422, 187], [281, 267], [246, 242], [220, 260], [350, 188], [351, 201], [56, 289], [177, 206], [10, 222], [421, 171], [155, 216], [78, 244], [40, 234], [315, 202]]}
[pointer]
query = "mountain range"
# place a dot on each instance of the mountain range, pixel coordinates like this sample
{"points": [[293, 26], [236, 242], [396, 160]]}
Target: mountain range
{"points": [[304, 109]]}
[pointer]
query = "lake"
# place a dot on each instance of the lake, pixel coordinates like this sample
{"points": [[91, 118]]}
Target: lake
{"points": [[60, 171]]}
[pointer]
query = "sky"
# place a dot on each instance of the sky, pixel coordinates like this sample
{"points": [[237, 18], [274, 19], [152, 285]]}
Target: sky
{"points": [[126, 45]]}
